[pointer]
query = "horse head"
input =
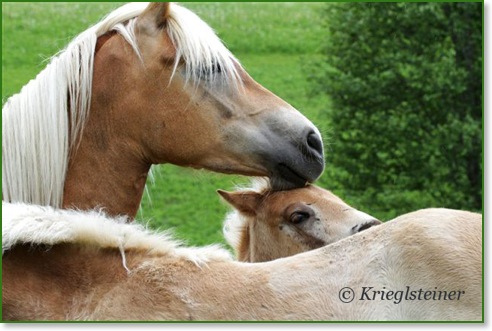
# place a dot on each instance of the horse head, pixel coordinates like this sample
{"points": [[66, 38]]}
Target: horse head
{"points": [[181, 97]]}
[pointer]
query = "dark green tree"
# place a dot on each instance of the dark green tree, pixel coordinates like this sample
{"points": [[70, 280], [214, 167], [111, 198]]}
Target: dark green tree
{"points": [[405, 80]]}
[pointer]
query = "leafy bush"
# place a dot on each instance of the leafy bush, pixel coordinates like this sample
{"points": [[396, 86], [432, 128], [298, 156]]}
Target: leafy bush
{"points": [[405, 83]]}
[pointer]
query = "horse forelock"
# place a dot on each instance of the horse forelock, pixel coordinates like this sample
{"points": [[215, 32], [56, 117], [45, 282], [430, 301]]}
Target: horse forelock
{"points": [[204, 55], [37, 225], [198, 47]]}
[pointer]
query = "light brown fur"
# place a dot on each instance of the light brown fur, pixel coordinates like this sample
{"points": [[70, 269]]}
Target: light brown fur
{"points": [[429, 249]]}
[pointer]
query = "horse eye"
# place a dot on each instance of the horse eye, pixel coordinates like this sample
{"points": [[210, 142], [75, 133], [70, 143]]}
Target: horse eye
{"points": [[299, 217], [216, 68], [208, 72]]}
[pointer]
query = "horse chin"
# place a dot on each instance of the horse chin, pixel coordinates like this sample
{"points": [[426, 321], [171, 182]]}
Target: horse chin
{"points": [[286, 178]]}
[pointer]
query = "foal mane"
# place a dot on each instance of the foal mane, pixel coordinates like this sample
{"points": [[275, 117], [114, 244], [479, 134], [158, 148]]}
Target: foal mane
{"points": [[42, 124], [44, 225]]}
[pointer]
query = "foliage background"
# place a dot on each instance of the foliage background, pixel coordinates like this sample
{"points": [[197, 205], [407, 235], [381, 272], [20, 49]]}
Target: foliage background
{"points": [[394, 88], [405, 81]]}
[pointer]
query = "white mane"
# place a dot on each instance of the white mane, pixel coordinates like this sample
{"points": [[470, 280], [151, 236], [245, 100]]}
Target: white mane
{"points": [[36, 225], [41, 125]]}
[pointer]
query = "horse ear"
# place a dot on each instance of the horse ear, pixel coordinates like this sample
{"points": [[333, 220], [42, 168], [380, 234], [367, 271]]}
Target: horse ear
{"points": [[157, 12], [245, 202]]}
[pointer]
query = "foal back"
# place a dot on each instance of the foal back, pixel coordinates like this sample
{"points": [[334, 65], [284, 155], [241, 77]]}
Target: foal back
{"points": [[41, 283]]}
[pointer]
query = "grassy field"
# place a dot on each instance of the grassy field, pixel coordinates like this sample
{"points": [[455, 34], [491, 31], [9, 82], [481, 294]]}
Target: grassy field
{"points": [[274, 41]]}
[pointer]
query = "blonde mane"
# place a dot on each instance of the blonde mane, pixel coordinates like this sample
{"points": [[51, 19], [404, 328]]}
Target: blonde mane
{"points": [[38, 225], [42, 124]]}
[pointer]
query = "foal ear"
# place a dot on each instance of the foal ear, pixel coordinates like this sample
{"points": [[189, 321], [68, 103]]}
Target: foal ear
{"points": [[245, 202], [157, 12]]}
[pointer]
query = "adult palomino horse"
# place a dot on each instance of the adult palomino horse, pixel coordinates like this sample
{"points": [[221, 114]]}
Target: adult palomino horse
{"points": [[268, 225], [66, 265], [149, 84]]}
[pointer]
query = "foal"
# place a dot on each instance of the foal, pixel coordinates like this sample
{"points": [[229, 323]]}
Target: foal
{"points": [[68, 265], [267, 225]]}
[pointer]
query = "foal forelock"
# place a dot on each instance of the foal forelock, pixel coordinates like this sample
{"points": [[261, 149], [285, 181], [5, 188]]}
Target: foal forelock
{"points": [[41, 126]]}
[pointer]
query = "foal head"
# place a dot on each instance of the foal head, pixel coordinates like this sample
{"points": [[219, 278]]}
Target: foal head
{"points": [[175, 94], [267, 225]]}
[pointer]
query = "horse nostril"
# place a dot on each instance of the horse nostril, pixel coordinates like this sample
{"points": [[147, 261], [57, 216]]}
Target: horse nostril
{"points": [[314, 142]]}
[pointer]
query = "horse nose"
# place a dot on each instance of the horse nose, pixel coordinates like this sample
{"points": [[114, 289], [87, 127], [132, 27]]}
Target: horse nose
{"points": [[315, 144]]}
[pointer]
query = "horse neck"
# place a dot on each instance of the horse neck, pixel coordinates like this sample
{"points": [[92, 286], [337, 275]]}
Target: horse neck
{"points": [[105, 172]]}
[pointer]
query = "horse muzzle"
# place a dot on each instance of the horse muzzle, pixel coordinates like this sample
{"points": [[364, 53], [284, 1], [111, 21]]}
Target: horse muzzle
{"points": [[299, 163]]}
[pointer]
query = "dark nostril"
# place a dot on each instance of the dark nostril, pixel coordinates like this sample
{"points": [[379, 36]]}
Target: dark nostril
{"points": [[314, 142]]}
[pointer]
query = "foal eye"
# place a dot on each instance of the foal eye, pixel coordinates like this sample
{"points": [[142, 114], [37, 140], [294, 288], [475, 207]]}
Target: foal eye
{"points": [[299, 217]]}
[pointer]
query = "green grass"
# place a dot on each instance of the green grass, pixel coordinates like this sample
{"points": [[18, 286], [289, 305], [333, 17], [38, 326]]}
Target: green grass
{"points": [[264, 28], [274, 41]]}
